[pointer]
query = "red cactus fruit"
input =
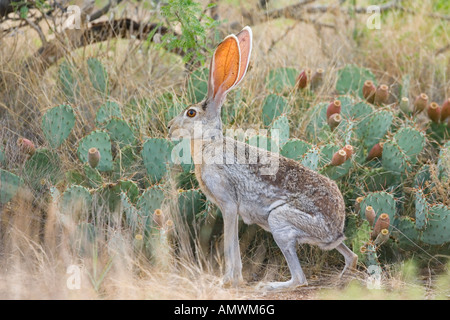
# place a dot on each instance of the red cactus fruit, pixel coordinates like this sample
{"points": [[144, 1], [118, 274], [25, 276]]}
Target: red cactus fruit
{"points": [[338, 158], [381, 94], [93, 157], [420, 103], [375, 152], [333, 107], [434, 112], [368, 91], [304, 78], [348, 151], [334, 120], [26, 146], [370, 215], [383, 222], [317, 78], [158, 218], [445, 110]]}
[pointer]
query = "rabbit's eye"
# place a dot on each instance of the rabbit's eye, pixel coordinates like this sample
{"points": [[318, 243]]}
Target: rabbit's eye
{"points": [[191, 113]]}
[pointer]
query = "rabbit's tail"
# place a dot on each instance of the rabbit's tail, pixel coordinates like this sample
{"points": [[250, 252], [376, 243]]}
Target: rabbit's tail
{"points": [[333, 243]]}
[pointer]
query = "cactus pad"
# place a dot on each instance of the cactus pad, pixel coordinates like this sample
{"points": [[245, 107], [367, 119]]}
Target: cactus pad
{"points": [[156, 153], [281, 79], [107, 111], [381, 202], [9, 185], [101, 141], [121, 132], [57, 123], [273, 106], [97, 75]]}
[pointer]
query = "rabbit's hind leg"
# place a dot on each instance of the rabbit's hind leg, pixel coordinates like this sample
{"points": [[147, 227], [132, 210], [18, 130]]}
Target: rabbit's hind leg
{"points": [[351, 259], [286, 236]]}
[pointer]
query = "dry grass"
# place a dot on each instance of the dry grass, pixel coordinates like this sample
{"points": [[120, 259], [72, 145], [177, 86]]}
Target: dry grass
{"points": [[36, 247]]}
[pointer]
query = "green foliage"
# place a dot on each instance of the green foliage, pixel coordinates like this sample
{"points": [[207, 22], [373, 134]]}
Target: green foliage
{"points": [[194, 23]]}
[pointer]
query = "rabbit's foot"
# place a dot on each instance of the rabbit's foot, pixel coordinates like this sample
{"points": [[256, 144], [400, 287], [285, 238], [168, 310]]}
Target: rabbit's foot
{"points": [[232, 281], [287, 285]]}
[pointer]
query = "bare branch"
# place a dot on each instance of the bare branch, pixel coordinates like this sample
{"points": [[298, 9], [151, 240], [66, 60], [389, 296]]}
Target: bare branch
{"points": [[50, 53]]}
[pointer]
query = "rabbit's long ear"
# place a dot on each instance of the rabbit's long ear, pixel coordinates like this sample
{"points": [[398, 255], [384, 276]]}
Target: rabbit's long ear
{"points": [[224, 70], [245, 38]]}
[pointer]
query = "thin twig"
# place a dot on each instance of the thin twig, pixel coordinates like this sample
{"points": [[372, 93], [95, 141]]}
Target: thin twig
{"points": [[38, 29]]}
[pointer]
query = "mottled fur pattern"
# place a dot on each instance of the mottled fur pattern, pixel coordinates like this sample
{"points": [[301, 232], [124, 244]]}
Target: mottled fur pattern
{"points": [[316, 198]]}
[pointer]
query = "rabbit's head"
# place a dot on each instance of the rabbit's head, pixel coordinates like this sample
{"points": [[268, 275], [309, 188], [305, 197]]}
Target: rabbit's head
{"points": [[228, 67]]}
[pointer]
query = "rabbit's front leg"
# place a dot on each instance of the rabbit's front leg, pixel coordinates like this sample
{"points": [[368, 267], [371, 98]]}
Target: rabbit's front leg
{"points": [[233, 263]]}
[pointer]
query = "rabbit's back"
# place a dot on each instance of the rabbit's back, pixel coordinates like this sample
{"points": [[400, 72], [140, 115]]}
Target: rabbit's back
{"points": [[316, 198]]}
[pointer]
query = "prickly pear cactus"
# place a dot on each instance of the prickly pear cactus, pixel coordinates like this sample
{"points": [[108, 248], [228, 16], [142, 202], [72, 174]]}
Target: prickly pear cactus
{"points": [[374, 127], [2, 155], [437, 231], [281, 127], [76, 201], [422, 210], [156, 154], [57, 123], [295, 149], [150, 200], [107, 111], [121, 132], [381, 202], [68, 81], [273, 106], [98, 75], [351, 78], [281, 79], [100, 140], [93, 177], [311, 158], [42, 169], [400, 153], [9, 185], [191, 203]]}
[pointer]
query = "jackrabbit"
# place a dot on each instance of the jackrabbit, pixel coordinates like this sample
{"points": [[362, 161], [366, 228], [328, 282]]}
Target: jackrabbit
{"points": [[294, 203]]}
